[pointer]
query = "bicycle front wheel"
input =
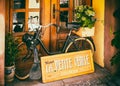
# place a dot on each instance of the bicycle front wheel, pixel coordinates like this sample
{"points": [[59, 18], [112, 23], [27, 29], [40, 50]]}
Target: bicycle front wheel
{"points": [[22, 68], [80, 44]]}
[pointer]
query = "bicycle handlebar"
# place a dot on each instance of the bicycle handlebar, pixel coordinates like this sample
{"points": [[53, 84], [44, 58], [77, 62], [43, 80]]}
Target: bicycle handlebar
{"points": [[44, 26], [31, 17], [48, 25]]}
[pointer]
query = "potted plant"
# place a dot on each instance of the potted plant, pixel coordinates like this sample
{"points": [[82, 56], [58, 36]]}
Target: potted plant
{"points": [[11, 53], [115, 60], [85, 16]]}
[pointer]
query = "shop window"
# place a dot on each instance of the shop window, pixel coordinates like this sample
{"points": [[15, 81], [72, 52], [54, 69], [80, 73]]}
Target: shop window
{"points": [[21, 11], [67, 10], [19, 4], [66, 7], [64, 3]]}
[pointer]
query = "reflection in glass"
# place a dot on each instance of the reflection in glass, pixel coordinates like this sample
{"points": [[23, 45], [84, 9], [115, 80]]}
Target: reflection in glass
{"points": [[78, 2], [18, 21], [33, 21], [63, 18], [19, 4], [34, 4], [64, 3], [82, 2]]}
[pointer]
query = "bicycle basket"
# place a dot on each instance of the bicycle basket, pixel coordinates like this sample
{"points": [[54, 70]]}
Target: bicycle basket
{"points": [[85, 31]]}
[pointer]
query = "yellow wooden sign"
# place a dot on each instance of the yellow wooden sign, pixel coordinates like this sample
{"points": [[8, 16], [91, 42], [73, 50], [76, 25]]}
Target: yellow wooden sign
{"points": [[66, 65]]}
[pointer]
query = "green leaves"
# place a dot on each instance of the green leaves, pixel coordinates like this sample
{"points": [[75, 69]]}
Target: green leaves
{"points": [[116, 58], [11, 50], [84, 14], [116, 43]]}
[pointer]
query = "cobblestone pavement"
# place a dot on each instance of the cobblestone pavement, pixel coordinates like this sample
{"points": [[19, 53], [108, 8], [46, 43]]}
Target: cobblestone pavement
{"points": [[101, 77]]}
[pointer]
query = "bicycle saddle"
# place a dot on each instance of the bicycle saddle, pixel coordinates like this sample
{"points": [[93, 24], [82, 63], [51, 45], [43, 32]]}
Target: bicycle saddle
{"points": [[73, 25]]}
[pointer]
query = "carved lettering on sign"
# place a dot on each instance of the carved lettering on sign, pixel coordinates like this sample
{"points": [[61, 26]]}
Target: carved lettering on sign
{"points": [[66, 65]]}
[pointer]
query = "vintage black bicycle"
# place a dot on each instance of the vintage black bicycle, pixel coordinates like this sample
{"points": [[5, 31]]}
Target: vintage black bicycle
{"points": [[31, 44]]}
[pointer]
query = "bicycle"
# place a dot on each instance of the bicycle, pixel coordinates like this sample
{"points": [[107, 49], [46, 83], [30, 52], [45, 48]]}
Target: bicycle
{"points": [[32, 42]]}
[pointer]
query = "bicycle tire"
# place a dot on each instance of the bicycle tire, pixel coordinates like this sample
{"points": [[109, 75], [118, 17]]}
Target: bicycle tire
{"points": [[22, 67], [82, 44]]}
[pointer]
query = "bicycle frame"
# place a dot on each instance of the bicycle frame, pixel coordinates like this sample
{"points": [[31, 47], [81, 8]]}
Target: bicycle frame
{"points": [[68, 39], [31, 42], [36, 37], [35, 40]]}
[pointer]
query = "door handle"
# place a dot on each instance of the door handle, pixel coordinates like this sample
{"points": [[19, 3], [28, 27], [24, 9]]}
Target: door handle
{"points": [[54, 11]]}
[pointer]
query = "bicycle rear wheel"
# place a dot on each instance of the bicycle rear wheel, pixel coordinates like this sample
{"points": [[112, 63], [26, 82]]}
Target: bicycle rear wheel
{"points": [[80, 44], [22, 68]]}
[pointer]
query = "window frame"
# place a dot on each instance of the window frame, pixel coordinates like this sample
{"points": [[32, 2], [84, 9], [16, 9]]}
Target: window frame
{"points": [[69, 9], [26, 10]]}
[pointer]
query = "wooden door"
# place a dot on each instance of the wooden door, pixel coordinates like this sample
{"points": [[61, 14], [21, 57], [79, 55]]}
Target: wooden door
{"points": [[62, 12], [56, 18], [48, 16]]}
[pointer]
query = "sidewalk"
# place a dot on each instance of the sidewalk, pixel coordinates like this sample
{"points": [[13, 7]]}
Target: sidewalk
{"points": [[101, 77]]}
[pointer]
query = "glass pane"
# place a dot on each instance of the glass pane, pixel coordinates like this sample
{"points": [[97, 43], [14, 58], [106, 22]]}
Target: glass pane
{"points": [[33, 21], [82, 2], [19, 4], [34, 3], [63, 18], [64, 3], [78, 2], [18, 21]]}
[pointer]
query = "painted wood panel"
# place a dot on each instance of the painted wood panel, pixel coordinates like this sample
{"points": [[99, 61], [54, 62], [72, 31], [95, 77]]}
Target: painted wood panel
{"points": [[66, 65], [99, 8]]}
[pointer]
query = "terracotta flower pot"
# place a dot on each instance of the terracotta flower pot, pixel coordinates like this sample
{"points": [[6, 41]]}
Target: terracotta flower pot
{"points": [[9, 73]]}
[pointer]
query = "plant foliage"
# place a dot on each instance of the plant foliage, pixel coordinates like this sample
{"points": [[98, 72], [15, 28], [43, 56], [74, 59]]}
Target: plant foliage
{"points": [[11, 50], [116, 43], [84, 14]]}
